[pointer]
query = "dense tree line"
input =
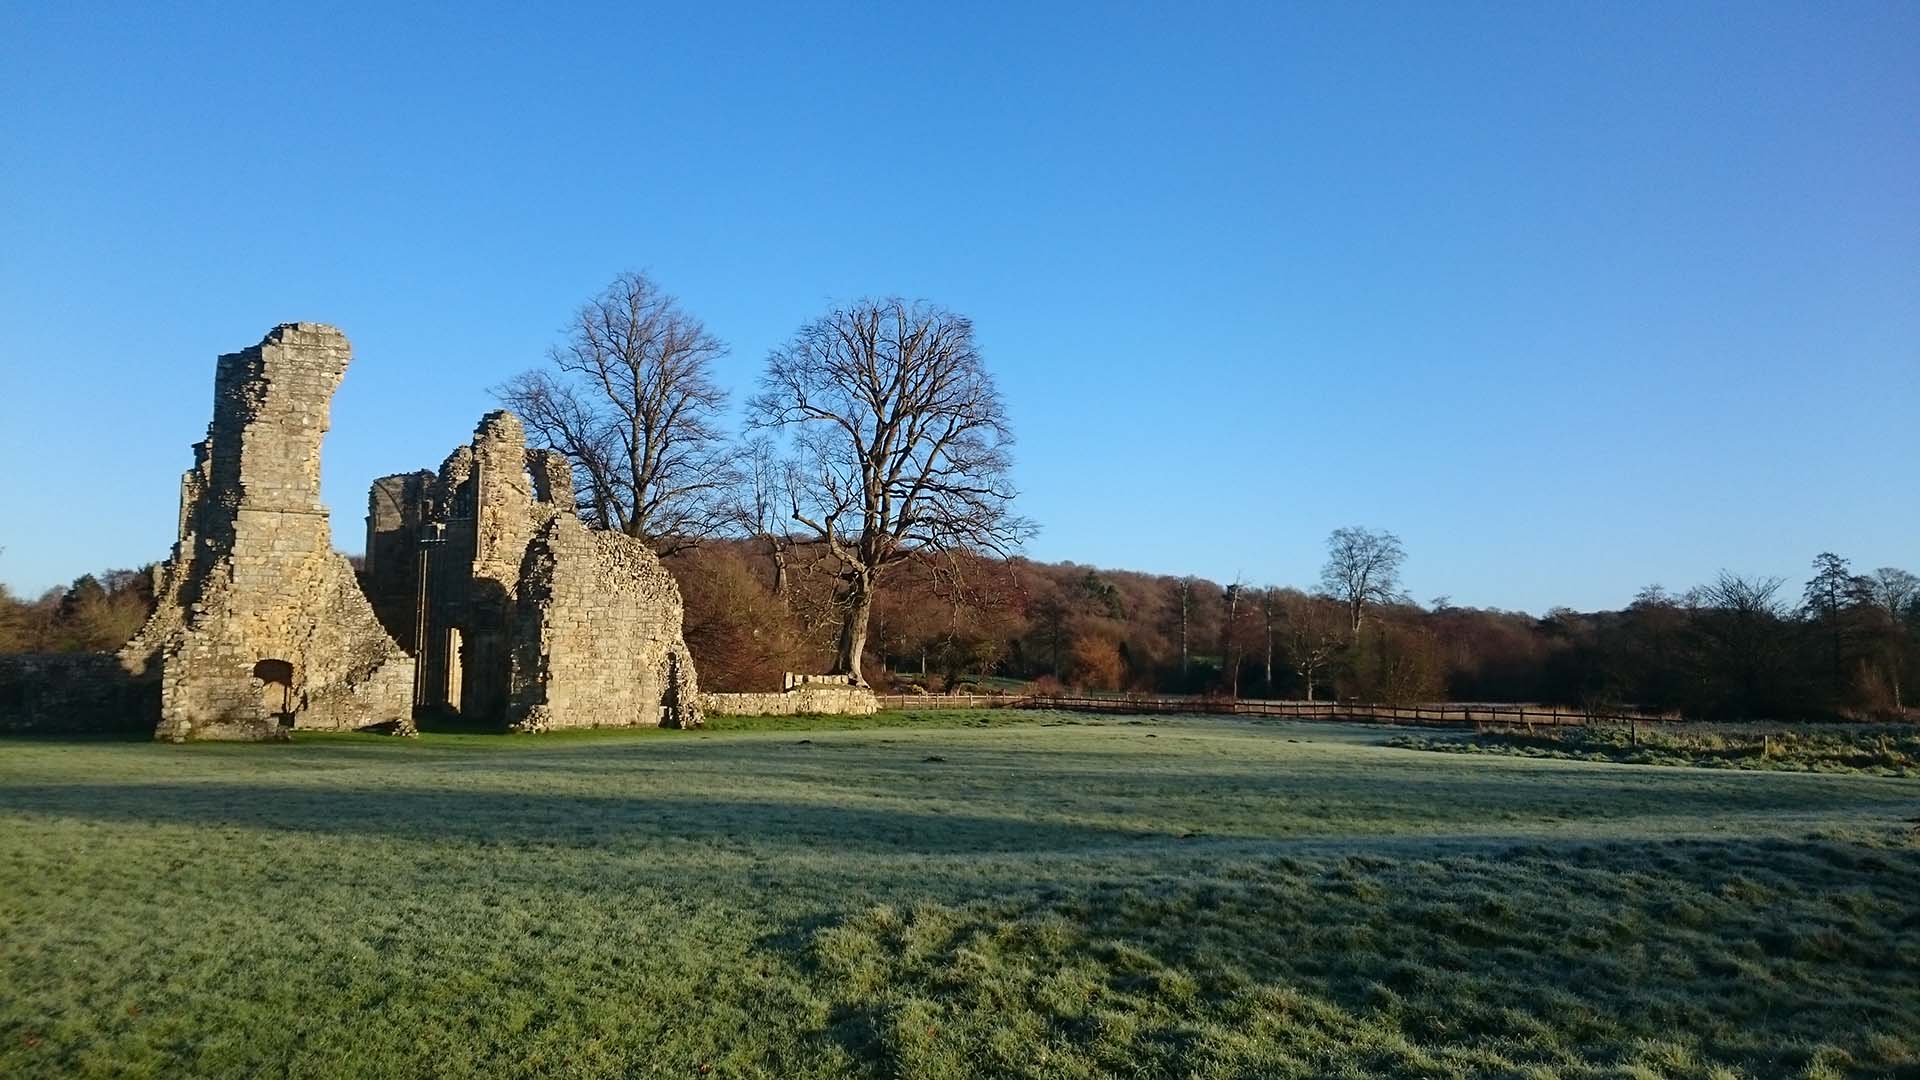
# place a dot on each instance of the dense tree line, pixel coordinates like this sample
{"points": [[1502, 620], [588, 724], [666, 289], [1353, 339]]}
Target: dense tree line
{"points": [[1734, 647], [97, 613]]}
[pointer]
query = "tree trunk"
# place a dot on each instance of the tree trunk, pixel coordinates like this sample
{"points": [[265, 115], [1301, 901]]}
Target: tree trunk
{"points": [[1228, 642], [1185, 591], [1269, 657], [853, 629], [779, 554]]}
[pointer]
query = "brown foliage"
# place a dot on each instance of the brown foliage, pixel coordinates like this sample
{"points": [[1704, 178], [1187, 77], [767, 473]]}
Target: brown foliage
{"points": [[741, 637], [97, 613], [961, 616], [1096, 662]]}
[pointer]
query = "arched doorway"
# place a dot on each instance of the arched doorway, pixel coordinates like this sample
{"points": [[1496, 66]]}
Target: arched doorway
{"points": [[276, 689]]}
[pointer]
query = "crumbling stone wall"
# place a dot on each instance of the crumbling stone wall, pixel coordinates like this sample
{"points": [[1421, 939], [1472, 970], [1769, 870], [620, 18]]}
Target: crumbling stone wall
{"points": [[597, 635], [805, 699], [395, 509], [528, 618], [74, 693], [260, 626]]}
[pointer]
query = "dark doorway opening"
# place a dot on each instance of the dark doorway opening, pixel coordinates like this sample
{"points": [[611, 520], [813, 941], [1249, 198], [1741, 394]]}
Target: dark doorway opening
{"points": [[276, 689]]}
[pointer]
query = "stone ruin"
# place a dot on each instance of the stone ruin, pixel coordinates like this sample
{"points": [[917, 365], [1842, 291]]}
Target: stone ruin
{"points": [[489, 597], [259, 625], [517, 612]]}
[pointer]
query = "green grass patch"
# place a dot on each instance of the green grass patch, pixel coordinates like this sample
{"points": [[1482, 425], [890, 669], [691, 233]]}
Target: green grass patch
{"points": [[1107, 897], [1878, 750]]}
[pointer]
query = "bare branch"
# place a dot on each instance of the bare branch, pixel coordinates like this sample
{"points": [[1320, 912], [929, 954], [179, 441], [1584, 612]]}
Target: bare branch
{"points": [[631, 401], [901, 443]]}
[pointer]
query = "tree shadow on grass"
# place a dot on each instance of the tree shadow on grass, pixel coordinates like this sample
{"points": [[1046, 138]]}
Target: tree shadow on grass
{"points": [[557, 819]]}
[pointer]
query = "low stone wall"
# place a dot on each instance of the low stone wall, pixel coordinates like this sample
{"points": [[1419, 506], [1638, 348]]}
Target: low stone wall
{"points": [[75, 694], [952, 701], [804, 700]]}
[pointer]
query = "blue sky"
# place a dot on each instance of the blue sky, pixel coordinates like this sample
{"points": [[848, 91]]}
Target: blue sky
{"points": [[1573, 297]]}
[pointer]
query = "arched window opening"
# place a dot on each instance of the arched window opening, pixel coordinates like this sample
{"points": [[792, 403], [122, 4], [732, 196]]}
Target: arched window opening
{"points": [[276, 689]]}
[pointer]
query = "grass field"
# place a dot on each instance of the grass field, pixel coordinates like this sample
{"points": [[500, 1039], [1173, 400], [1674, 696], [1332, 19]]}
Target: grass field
{"points": [[1039, 896], [1873, 749]]}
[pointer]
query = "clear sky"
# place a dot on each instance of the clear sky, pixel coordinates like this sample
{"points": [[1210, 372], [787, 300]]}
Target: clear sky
{"points": [[1572, 296]]}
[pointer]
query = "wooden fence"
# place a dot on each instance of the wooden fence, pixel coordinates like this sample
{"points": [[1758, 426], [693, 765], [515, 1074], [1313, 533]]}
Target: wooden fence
{"points": [[1463, 714]]}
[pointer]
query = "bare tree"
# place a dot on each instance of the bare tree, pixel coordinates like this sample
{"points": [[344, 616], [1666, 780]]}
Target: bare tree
{"points": [[1741, 621], [758, 506], [1895, 590], [901, 444], [1897, 593], [1232, 601], [1312, 637], [1269, 614], [1183, 596], [631, 400], [1363, 567]]}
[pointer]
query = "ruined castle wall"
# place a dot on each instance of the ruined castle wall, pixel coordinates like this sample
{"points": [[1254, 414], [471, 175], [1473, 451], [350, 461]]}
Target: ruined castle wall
{"points": [[260, 625], [449, 565], [504, 519], [475, 575], [397, 508], [598, 636], [533, 620]]}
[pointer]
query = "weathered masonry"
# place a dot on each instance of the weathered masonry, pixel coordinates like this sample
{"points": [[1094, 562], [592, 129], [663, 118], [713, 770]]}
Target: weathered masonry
{"points": [[260, 626], [803, 695], [518, 613], [483, 594]]}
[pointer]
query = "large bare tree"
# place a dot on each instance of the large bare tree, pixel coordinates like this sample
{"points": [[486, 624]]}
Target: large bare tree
{"points": [[1363, 569], [630, 398], [901, 444]]}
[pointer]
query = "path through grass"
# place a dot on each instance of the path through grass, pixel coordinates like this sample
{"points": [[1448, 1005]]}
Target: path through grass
{"points": [[1052, 898]]}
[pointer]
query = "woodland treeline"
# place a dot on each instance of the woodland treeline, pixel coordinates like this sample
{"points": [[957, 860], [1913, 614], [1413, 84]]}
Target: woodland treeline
{"points": [[862, 522], [1843, 644], [1739, 647]]}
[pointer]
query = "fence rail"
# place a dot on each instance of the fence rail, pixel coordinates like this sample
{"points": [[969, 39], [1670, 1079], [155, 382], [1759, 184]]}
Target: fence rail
{"points": [[1450, 714]]}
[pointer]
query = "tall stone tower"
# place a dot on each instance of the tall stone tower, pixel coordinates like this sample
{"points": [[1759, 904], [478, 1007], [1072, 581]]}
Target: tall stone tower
{"points": [[260, 626]]}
